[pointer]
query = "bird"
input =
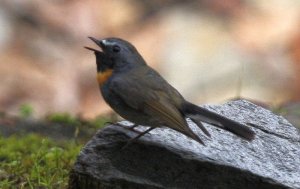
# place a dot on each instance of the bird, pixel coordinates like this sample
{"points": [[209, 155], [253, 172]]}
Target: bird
{"points": [[138, 93]]}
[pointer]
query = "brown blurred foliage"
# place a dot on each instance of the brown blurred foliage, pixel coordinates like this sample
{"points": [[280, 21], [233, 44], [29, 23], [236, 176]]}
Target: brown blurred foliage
{"points": [[210, 50]]}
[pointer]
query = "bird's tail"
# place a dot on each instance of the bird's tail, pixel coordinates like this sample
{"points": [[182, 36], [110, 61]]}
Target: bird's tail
{"points": [[198, 114]]}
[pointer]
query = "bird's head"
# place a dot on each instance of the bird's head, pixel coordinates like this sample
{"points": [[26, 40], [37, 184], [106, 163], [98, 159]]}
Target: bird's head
{"points": [[116, 54]]}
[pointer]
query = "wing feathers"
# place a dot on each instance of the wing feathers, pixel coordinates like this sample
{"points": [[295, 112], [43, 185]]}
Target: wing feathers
{"points": [[172, 117]]}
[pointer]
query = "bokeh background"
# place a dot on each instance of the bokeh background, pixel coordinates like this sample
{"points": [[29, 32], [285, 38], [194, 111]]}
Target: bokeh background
{"points": [[211, 51]]}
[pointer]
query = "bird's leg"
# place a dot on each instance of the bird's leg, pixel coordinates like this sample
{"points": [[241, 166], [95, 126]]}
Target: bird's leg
{"points": [[131, 128], [137, 137]]}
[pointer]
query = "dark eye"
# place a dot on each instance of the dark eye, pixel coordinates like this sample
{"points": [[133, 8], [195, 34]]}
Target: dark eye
{"points": [[116, 48]]}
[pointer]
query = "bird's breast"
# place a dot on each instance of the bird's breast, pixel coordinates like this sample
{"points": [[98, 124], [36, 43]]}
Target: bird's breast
{"points": [[102, 77]]}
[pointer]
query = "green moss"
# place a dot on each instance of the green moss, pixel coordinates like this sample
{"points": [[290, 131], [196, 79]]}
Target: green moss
{"points": [[63, 118], [25, 110], [99, 122], [33, 161]]}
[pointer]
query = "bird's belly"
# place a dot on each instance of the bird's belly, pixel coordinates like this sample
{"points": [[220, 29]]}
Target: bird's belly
{"points": [[128, 113]]}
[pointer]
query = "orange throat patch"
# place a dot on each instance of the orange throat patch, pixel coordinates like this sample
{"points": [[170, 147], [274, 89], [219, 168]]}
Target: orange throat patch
{"points": [[102, 77]]}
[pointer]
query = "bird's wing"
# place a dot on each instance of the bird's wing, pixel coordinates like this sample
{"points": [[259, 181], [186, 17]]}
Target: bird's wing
{"points": [[150, 95], [144, 84]]}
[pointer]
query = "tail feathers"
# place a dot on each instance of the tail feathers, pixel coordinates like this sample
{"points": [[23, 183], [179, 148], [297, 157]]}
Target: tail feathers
{"points": [[200, 125], [196, 138], [200, 114], [189, 133]]}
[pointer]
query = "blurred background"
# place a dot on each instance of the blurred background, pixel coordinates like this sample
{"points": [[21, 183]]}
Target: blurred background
{"points": [[211, 51]]}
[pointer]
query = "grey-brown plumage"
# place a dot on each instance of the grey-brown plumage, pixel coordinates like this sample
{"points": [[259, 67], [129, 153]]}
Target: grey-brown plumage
{"points": [[139, 94]]}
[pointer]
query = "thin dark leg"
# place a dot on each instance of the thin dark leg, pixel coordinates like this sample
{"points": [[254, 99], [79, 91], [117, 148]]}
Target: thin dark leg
{"points": [[131, 128], [137, 137]]}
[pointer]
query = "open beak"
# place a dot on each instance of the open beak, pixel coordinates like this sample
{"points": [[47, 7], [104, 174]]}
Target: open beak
{"points": [[99, 43]]}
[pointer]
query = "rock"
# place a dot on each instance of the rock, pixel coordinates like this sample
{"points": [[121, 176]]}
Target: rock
{"points": [[167, 159]]}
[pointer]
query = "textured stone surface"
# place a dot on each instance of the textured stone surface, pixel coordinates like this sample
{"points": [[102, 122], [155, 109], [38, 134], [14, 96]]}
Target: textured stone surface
{"points": [[167, 159]]}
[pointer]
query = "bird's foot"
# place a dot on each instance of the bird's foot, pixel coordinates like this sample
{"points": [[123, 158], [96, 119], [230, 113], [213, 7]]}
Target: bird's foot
{"points": [[130, 141], [131, 128]]}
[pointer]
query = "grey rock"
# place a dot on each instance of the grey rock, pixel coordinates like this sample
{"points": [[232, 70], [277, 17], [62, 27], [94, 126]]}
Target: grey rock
{"points": [[167, 159]]}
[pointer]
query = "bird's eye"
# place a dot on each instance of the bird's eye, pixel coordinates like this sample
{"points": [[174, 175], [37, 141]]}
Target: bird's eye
{"points": [[116, 48]]}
